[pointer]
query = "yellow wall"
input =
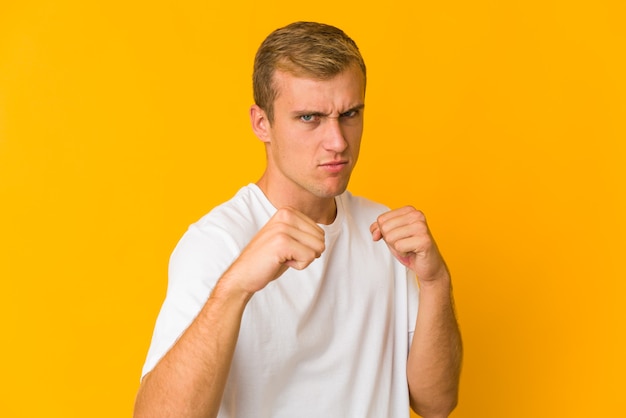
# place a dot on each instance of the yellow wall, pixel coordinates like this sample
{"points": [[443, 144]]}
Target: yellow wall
{"points": [[121, 122]]}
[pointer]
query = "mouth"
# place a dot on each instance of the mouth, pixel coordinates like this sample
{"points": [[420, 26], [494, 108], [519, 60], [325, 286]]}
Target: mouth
{"points": [[334, 166]]}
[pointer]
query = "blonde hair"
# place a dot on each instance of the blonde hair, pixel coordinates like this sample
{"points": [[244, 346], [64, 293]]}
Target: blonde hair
{"points": [[302, 49]]}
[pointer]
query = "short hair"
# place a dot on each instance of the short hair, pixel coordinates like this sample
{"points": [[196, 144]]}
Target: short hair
{"points": [[302, 49]]}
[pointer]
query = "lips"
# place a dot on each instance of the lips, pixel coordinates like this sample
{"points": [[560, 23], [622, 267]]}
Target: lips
{"points": [[334, 166]]}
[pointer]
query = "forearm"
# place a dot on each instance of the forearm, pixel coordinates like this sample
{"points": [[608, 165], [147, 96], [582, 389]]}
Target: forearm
{"points": [[435, 357], [189, 380]]}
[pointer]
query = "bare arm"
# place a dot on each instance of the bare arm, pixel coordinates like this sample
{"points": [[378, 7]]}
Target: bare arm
{"points": [[434, 361], [189, 380]]}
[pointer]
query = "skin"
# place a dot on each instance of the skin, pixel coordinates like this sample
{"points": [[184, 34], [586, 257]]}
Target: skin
{"points": [[434, 363], [312, 146]]}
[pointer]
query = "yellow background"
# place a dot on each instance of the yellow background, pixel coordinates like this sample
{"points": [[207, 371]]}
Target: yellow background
{"points": [[122, 122]]}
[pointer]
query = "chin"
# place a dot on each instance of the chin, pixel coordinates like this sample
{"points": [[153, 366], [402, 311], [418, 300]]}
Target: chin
{"points": [[330, 191]]}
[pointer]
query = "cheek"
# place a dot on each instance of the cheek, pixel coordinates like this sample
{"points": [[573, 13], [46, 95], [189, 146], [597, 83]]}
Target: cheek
{"points": [[290, 147], [295, 145], [353, 136]]}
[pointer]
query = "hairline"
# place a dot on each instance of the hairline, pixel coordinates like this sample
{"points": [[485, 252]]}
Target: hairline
{"points": [[285, 66]]}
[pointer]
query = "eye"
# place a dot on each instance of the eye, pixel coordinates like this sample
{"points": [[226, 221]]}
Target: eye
{"points": [[350, 114], [309, 118]]}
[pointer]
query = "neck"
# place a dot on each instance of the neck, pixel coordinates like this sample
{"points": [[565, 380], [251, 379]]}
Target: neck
{"points": [[322, 210]]}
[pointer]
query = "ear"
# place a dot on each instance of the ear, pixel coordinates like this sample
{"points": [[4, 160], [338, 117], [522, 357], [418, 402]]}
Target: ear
{"points": [[260, 123]]}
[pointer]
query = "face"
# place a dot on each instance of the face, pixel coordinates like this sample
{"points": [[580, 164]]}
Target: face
{"points": [[313, 142]]}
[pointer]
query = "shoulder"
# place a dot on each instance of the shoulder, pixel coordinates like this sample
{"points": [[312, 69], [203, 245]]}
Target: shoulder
{"points": [[218, 237], [241, 216]]}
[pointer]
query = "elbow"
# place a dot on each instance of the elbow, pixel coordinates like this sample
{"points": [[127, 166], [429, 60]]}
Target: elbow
{"points": [[436, 406], [443, 411]]}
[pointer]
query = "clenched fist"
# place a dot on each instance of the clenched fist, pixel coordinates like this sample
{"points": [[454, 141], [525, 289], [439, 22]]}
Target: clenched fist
{"points": [[288, 239], [407, 235]]}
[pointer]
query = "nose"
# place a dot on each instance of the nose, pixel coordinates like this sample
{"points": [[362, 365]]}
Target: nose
{"points": [[334, 139]]}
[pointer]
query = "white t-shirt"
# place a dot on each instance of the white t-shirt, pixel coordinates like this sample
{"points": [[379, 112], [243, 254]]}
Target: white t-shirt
{"points": [[328, 341]]}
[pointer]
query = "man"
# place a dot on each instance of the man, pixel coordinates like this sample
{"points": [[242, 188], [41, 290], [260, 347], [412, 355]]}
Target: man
{"points": [[295, 298]]}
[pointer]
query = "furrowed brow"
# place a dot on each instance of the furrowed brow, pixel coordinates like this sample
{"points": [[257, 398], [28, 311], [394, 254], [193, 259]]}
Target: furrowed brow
{"points": [[298, 113], [309, 112]]}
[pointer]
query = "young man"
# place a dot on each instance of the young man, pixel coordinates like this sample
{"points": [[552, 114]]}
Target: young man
{"points": [[295, 298]]}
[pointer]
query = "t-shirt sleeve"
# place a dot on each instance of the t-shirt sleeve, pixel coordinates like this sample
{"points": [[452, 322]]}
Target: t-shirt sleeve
{"points": [[198, 261], [412, 295]]}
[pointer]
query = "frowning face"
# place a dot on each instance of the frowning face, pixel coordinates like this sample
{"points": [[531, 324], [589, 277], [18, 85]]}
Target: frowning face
{"points": [[313, 142]]}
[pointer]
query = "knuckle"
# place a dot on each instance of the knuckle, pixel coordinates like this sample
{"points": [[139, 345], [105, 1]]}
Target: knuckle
{"points": [[282, 238], [418, 216], [283, 214], [419, 213]]}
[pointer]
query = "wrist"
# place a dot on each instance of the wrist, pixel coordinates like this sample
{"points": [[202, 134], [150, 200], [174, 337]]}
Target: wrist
{"points": [[440, 279], [228, 288], [436, 288]]}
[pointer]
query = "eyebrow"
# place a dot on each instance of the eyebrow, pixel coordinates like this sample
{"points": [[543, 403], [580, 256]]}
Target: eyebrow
{"points": [[318, 113]]}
